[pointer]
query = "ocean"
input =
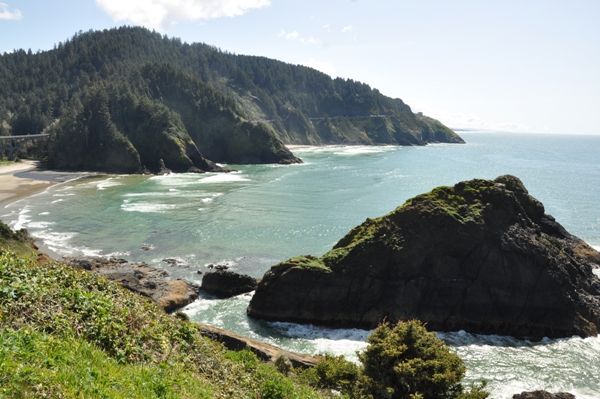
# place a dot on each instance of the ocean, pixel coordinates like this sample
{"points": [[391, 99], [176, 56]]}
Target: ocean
{"points": [[263, 214]]}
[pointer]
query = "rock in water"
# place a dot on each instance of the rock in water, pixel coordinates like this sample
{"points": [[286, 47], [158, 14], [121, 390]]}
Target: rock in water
{"points": [[543, 395], [481, 256], [162, 169], [226, 284]]}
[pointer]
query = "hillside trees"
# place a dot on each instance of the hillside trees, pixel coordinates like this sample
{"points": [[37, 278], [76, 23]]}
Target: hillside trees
{"points": [[87, 138], [226, 90]]}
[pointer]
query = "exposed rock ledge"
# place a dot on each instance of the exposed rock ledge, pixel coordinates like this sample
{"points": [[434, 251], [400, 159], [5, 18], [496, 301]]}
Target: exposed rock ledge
{"points": [[481, 256], [265, 352], [141, 278]]}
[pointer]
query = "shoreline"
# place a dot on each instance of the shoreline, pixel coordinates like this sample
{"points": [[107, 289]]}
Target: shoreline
{"points": [[25, 179], [15, 182]]}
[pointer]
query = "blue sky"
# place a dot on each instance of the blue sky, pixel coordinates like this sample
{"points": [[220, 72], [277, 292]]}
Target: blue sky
{"points": [[528, 65]]}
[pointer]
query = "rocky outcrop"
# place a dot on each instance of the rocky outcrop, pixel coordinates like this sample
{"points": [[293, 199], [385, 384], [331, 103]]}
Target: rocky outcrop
{"points": [[140, 278], [264, 352], [21, 243], [162, 169], [225, 284], [481, 256], [543, 395]]}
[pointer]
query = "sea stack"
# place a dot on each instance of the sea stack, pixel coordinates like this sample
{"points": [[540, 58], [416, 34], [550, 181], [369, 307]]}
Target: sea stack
{"points": [[481, 256]]}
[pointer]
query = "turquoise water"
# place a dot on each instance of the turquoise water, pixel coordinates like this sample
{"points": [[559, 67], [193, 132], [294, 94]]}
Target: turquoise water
{"points": [[261, 215]]}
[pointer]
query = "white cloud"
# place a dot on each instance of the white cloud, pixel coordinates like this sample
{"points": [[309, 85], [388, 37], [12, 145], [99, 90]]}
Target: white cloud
{"points": [[296, 36], [309, 40], [346, 28], [327, 28], [290, 36], [322, 66], [5, 13], [160, 14]]}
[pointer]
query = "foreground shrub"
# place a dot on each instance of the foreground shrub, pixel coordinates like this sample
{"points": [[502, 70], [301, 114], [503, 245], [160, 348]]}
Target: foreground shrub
{"points": [[67, 333], [406, 361], [335, 372]]}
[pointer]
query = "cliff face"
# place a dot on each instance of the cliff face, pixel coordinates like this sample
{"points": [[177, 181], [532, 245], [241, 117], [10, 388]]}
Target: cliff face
{"points": [[481, 256]]}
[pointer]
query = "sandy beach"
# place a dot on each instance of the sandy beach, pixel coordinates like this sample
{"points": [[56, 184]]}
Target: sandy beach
{"points": [[16, 182], [23, 179]]}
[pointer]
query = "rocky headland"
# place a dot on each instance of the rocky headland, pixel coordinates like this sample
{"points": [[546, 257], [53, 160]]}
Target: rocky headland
{"points": [[481, 256]]}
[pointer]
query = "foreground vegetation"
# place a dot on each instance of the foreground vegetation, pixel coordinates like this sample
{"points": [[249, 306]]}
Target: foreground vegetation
{"points": [[65, 333], [71, 333], [18, 241]]}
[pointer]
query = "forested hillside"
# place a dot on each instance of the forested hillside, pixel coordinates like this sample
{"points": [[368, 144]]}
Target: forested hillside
{"points": [[124, 98]]}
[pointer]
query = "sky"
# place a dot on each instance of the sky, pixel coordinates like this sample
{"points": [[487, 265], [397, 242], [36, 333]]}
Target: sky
{"points": [[511, 65]]}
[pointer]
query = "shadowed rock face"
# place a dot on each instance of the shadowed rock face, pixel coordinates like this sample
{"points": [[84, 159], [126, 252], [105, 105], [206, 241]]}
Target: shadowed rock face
{"points": [[226, 284], [543, 395], [481, 256]]}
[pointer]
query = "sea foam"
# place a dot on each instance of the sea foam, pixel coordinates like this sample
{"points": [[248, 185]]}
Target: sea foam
{"points": [[223, 178], [362, 150], [511, 366], [346, 150], [22, 220], [146, 207], [56, 241], [108, 183]]}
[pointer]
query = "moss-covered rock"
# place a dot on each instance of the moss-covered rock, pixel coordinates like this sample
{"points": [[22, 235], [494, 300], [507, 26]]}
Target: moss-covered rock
{"points": [[481, 256]]}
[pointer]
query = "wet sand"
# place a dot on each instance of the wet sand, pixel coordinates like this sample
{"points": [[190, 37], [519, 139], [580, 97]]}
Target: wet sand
{"points": [[23, 179], [15, 183]]}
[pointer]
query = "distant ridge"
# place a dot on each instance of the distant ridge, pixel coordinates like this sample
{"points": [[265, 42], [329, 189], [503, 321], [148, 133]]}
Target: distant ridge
{"points": [[122, 99]]}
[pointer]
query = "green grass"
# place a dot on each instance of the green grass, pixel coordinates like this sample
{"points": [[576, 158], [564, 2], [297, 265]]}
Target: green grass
{"points": [[79, 335], [34, 364]]}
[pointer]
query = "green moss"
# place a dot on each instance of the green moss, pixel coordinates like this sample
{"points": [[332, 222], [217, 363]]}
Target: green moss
{"points": [[463, 203], [333, 257], [308, 262], [364, 232]]}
